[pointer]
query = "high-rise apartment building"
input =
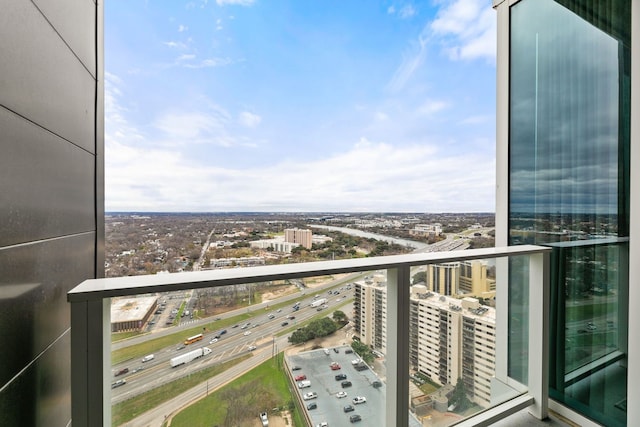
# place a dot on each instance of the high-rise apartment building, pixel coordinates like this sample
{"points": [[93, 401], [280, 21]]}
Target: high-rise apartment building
{"points": [[449, 338], [468, 278], [369, 315], [51, 197], [300, 236]]}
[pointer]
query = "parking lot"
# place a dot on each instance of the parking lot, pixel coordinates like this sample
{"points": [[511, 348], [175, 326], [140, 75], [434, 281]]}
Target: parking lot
{"points": [[316, 365]]}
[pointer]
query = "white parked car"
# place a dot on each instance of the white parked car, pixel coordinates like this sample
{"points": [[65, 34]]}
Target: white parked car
{"points": [[310, 395], [341, 394], [359, 399]]}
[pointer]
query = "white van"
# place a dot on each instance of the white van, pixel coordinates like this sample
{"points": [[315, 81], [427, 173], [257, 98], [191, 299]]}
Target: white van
{"points": [[304, 384], [148, 358]]}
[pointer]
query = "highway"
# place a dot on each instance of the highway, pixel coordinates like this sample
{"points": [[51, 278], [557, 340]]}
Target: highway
{"points": [[260, 332]]}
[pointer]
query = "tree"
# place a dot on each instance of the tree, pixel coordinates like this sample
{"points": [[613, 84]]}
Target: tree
{"points": [[340, 318], [420, 276], [459, 397]]}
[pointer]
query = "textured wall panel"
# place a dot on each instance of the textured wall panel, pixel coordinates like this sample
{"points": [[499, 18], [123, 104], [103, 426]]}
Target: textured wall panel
{"points": [[40, 396], [64, 16], [46, 183], [41, 78], [34, 280]]}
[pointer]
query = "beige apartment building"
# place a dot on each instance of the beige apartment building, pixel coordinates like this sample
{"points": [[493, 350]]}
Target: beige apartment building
{"points": [[468, 278], [300, 236], [449, 338]]}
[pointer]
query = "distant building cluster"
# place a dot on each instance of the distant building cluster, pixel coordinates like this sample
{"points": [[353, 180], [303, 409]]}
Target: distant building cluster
{"points": [[427, 230], [277, 245], [449, 338], [237, 262], [302, 237], [132, 314]]}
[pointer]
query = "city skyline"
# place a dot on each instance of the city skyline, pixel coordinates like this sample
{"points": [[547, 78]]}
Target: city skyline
{"points": [[241, 105]]}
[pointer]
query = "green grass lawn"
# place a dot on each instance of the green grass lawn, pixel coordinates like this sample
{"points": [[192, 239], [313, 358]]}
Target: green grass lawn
{"points": [[129, 409], [261, 389]]}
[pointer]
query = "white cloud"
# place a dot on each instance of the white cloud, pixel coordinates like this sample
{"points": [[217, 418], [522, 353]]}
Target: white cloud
{"points": [[182, 28], [368, 176], [209, 63], [391, 10], [186, 57], [235, 2], [467, 28], [178, 45], [431, 107], [406, 12], [249, 120]]}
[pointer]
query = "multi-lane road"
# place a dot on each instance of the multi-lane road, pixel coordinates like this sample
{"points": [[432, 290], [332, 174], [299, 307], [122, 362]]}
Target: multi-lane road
{"points": [[260, 332]]}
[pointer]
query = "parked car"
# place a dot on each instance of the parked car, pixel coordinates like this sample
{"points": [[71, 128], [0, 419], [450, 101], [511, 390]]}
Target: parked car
{"points": [[312, 405], [345, 384], [355, 418], [300, 377], [341, 394], [348, 408], [359, 399], [341, 377], [310, 395]]}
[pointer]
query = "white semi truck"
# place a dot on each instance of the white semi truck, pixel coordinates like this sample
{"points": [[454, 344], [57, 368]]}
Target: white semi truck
{"points": [[319, 302], [188, 357]]}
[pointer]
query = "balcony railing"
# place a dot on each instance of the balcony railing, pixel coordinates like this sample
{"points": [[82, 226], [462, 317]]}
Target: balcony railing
{"points": [[90, 326]]}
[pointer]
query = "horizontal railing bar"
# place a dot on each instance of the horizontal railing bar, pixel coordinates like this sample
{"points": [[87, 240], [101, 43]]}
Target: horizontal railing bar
{"points": [[94, 289]]}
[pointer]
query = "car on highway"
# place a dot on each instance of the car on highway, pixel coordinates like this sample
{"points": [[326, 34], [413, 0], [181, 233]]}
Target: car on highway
{"points": [[213, 341], [251, 347], [359, 399], [118, 383], [247, 333], [271, 316], [341, 394], [121, 372], [310, 395], [284, 323], [180, 347], [348, 408]]}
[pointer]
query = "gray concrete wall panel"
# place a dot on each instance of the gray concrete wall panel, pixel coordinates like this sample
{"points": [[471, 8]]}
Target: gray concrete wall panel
{"points": [[41, 78], [64, 16], [46, 183], [34, 280]]}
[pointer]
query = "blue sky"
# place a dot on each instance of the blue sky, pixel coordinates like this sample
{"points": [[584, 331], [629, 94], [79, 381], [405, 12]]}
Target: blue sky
{"points": [[289, 105]]}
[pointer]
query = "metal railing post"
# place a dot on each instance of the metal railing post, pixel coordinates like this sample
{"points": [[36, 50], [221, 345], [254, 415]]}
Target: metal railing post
{"points": [[90, 362], [398, 292], [539, 295]]}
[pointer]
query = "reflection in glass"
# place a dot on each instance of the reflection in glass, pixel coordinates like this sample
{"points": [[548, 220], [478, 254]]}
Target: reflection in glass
{"points": [[569, 180]]}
